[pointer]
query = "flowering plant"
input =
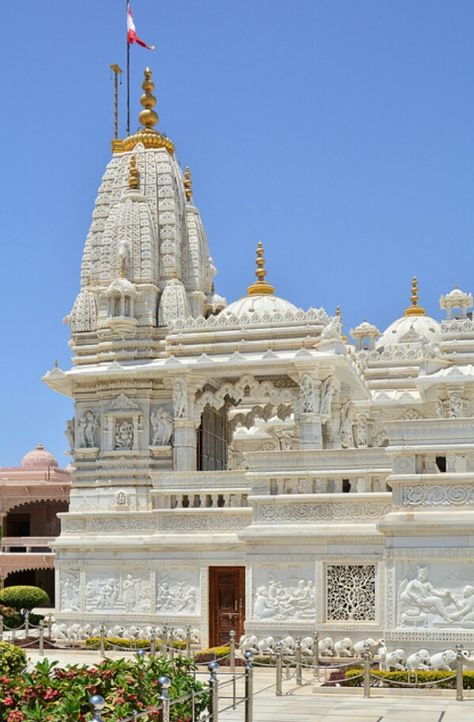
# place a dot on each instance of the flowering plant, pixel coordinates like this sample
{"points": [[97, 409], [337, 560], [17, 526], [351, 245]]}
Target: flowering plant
{"points": [[52, 694]]}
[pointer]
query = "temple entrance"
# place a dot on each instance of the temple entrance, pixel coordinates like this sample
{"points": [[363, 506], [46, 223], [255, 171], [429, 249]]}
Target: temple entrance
{"points": [[226, 603]]}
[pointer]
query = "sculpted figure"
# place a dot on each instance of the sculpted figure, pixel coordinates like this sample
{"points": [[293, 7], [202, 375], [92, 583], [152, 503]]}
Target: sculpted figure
{"points": [[420, 596], [465, 606], [439, 409], [80, 433], [162, 425], [347, 436], [327, 392], [307, 394], [455, 406], [70, 433], [123, 435], [90, 428], [361, 431], [130, 592], [180, 398]]}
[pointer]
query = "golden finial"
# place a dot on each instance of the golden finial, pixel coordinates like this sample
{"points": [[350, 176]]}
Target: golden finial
{"points": [[148, 118], [188, 184], [133, 174], [414, 309], [260, 287]]}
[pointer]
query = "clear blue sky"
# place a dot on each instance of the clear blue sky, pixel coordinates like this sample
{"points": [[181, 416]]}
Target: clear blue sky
{"points": [[339, 132]]}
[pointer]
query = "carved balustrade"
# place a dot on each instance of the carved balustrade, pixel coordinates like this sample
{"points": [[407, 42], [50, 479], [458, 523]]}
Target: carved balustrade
{"points": [[200, 490], [26, 543]]}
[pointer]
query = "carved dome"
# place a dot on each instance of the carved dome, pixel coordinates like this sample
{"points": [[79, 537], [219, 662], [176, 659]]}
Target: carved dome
{"points": [[83, 316], [410, 329], [259, 306], [173, 303], [39, 458]]}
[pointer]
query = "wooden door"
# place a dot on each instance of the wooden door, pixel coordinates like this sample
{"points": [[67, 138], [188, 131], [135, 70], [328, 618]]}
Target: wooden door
{"points": [[226, 603]]}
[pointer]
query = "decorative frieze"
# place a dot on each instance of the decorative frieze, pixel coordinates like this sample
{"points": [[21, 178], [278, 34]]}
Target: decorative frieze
{"points": [[344, 510]]}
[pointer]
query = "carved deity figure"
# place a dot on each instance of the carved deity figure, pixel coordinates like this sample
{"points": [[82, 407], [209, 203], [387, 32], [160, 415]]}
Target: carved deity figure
{"points": [[178, 598], [123, 435], [70, 433], [419, 597], [307, 394], [360, 431], [162, 425], [327, 392], [108, 595], [130, 587], [455, 408], [347, 436], [180, 398], [90, 429], [465, 607]]}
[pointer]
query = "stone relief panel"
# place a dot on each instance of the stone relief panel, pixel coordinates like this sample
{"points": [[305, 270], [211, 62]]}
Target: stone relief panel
{"points": [[435, 595], [178, 592], [70, 587], [118, 592], [350, 592], [437, 495], [284, 592]]}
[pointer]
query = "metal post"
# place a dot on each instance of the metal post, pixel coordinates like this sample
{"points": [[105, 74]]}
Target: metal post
{"points": [[188, 641], [165, 640], [165, 698], [279, 670], [232, 651], [366, 657], [1, 628], [459, 673], [213, 692], [152, 643], [41, 638], [49, 620], [248, 687], [26, 616], [98, 704], [316, 655], [299, 670], [171, 644], [102, 641]]}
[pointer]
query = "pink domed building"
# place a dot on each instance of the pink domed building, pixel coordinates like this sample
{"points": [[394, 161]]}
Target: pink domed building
{"points": [[31, 496]]}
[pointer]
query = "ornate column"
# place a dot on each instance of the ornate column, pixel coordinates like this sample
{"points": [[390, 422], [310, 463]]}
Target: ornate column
{"points": [[184, 426]]}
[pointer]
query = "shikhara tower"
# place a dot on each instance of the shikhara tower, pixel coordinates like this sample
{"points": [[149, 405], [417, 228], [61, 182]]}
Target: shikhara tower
{"points": [[245, 464]]}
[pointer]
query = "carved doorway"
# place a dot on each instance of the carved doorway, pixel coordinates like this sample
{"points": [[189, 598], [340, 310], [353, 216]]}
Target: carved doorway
{"points": [[226, 603]]}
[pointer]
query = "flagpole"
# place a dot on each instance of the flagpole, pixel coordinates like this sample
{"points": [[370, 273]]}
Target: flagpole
{"points": [[128, 74]]}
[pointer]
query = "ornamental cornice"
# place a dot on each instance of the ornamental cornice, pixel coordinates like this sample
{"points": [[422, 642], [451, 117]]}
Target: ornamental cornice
{"points": [[308, 511], [313, 315]]}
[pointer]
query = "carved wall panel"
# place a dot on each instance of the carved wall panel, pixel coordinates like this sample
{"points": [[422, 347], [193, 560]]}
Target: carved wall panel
{"points": [[283, 592], [70, 590], [178, 592], [113, 591]]}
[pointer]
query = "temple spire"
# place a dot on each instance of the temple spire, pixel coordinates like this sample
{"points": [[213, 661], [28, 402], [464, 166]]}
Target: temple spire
{"points": [[414, 309], [260, 287], [148, 118]]}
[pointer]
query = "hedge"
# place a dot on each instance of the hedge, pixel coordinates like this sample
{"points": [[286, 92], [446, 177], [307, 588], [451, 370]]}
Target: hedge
{"points": [[24, 597], [415, 678], [111, 642], [211, 653]]}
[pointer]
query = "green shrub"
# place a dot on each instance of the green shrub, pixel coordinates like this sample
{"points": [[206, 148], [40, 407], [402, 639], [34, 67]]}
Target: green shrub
{"points": [[416, 678], [24, 597], [111, 642], [12, 659], [211, 653]]}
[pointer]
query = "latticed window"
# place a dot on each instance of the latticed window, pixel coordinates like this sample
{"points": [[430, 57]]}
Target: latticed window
{"points": [[212, 440]]}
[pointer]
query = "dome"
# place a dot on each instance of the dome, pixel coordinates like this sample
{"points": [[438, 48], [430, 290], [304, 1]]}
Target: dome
{"points": [[259, 306], [260, 300], [414, 326], [39, 458], [410, 329]]}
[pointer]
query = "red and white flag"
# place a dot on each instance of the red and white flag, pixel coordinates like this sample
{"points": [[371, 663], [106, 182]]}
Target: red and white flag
{"points": [[132, 33]]}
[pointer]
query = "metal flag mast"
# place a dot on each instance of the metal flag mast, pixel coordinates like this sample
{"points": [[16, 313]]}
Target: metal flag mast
{"points": [[128, 71], [116, 71]]}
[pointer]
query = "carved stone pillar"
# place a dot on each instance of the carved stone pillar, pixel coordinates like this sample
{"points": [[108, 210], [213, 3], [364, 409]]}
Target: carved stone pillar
{"points": [[184, 426], [333, 428]]}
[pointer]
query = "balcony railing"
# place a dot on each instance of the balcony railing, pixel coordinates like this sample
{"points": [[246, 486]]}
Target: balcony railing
{"points": [[26, 543]]}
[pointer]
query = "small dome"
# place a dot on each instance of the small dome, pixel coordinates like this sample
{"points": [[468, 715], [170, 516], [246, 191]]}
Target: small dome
{"points": [[259, 306], [39, 458], [410, 329]]}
